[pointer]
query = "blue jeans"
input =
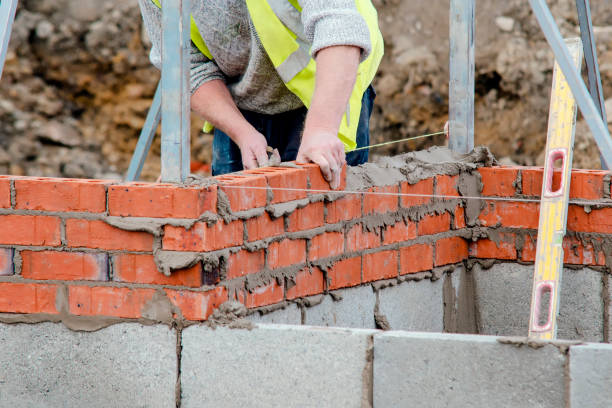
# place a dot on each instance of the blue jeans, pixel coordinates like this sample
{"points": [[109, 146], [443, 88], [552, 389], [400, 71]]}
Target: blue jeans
{"points": [[283, 132]]}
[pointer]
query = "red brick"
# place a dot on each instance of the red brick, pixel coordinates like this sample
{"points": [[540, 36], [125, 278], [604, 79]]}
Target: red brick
{"points": [[197, 305], [486, 248], [380, 265], [27, 298], [6, 262], [311, 216], [344, 209], [451, 250], [264, 227], [532, 180], [446, 186], [498, 181], [511, 215], [265, 295], [575, 253], [528, 251], [308, 282], [400, 232], [108, 301], [54, 265], [29, 230], [244, 263], [286, 253], [433, 224], [161, 200], [98, 234], [316, 181], [357, 239], [459, 218], [135, 268], [5, 193], [598, 220], [326, 245], [380, 203], [423, 190], [244, 192], [203, 238], [416, 258], [587, 184], [61, 195], [283, 181], [345, 273]]}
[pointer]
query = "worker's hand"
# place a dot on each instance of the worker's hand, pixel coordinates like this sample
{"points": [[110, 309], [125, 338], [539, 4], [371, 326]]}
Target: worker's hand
{"points": [[323, 147], [253, 149]]}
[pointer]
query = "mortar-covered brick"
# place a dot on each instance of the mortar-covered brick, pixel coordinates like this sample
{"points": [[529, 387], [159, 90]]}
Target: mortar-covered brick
{"points": [[201, 237], [423, 190], [29, 230], [161, 200], [197, 305], [511, 214], [434, 224], [459, 218], [98, 234], [488, 249], [451, 250], [400, 232], [597, 220], [499, 181], [309, 217], [326, 245], [56, 265], [574, 252], [531, 180], [316, 179], [286, 253], [27, 298], [265, 295], [6, 262], [51, 194], [416, 258], [284, 183], [244, 192], [344, 209], [5, 192], [129, 303], [345, 273], [379, 265], [380, 203], [264, 227], [140, 268], [528, 251], [358, 239], [309, 281], [446, 186], [245, 263]]}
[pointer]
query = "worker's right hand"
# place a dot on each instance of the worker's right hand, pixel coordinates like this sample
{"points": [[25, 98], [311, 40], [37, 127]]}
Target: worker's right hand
{"points": [[253, 150]]}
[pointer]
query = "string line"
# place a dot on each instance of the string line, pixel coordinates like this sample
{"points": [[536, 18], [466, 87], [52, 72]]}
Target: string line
{"points": [[397, 141]]}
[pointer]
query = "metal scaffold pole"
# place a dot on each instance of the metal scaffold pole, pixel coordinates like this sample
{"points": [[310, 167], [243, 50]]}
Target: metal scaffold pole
{"points": [[7, 16], [175, 100]]}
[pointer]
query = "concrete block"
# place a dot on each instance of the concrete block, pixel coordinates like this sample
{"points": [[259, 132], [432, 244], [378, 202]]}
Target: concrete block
{"points": [[503, 297], [414, 306], [125, 365], [355, 309], [275, 366], [453, 370], [590, 375], [289, 315]]}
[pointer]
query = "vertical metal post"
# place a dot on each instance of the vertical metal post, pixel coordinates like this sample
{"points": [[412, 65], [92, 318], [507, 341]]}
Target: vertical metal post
{"points": [[589, 111], [146, 137], [176, 91], [461, 87], [7, 16]]}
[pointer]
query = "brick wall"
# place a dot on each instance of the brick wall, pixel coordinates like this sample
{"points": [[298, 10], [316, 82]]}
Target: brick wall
{"points": [[95, 248]]}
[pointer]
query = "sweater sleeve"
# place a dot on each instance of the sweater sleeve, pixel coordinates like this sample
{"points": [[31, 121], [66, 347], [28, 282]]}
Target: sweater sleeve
{"points": [[335, 22], [202, 69]]}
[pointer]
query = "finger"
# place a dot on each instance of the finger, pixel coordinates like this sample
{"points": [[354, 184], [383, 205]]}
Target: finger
{"points": [[339, 154], [336, 170], [248, 161], [323, 163], [262, 157]]}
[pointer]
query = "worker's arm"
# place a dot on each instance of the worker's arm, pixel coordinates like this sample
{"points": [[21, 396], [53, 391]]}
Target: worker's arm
{"points": [[335, 78], [213, 101]]}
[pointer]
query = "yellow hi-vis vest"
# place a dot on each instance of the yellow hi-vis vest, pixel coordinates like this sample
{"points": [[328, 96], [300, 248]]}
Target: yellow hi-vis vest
{"points": [[278, 23]]}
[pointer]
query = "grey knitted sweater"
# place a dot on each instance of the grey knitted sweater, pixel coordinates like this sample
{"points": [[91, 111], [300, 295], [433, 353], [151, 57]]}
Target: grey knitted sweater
{"points": [[239, 57]]}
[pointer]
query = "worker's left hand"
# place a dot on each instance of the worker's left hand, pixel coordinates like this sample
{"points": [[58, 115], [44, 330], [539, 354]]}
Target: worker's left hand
{"points": [[323, 147]]}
